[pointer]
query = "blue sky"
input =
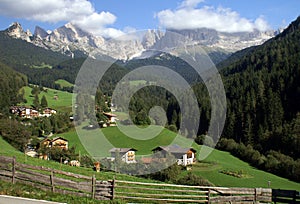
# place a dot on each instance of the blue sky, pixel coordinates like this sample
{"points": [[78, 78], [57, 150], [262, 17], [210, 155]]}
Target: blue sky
{"points": [[114, 17]]}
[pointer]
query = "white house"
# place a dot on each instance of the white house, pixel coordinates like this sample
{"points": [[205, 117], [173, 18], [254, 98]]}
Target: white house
{"points": [[184, 156], [112, 118], [47, 112], [127, 154]]}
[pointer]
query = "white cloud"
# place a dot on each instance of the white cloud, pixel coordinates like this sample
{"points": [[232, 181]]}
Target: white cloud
{"points": [[190, 3], [187, 16], [96, 23], [79, 12]]}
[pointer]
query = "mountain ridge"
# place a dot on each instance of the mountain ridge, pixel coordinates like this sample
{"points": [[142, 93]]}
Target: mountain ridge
{"points": [[69, 38]]}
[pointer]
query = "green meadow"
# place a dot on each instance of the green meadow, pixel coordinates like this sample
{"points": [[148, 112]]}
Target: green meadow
{"points": [[59, 100], [63, 83], [210, 168], [98, 142], [7, 150]]}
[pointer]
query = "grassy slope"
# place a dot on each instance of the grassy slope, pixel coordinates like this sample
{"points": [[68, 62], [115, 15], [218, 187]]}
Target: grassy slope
{"points": [[64, 83], [209, 169], [216, 161], [64, 101], [94, 140], [7, 150], [74, 140], [220, 160]]}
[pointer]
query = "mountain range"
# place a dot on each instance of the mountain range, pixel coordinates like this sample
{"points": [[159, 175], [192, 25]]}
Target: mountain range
{"points": [[73, 41]]}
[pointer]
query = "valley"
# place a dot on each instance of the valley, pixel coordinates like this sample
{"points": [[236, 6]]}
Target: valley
{"points": [[48, 118]]}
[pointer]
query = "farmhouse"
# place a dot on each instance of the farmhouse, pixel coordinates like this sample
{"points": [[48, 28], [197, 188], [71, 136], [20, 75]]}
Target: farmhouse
{"points": [[31, 113], [55, 142], [47, 112], [112, 118], [127, 154], [184, 156], [60, 142]]}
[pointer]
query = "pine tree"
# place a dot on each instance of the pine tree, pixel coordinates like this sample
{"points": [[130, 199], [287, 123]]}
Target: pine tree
{"points": [[36, 101], [44, 102]]}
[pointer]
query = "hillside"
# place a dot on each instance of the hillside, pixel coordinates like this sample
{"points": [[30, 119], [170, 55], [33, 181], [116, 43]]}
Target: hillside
{"points": [[262, 89], [59, 100], [10, 83], [12, 52], [209, 169], [263, 93]]}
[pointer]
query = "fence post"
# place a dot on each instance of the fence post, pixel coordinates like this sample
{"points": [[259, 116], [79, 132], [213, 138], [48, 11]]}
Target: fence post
{"points": [[13, 170], [208, 196], [113, 184], [52, 181], [93, 186]]}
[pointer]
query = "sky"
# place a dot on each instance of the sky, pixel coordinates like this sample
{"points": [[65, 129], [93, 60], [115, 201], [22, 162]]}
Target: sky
{"points": [[111, 18]]}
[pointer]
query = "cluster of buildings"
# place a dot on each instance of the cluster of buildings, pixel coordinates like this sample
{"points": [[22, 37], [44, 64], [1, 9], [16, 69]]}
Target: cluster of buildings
{"points": [[49, 143], [30, 113], [183, 156]]}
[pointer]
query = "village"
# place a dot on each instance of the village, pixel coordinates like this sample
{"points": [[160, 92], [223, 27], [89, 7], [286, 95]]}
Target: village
{"points": [[184, 156]]}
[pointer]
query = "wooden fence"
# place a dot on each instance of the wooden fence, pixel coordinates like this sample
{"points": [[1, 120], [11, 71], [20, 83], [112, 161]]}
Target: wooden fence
{"points": [[55, 180], [70, 183], [285, 196], [159, 192]]}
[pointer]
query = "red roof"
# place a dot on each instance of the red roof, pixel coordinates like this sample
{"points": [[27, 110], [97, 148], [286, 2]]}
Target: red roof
{"points": [[110, 114]]}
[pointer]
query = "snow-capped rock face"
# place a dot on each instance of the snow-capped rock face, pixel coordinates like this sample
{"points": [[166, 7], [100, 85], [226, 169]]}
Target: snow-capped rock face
{"points": [[15, 30], [231, 42], [69, 38], [151, 37], [40, 33]]}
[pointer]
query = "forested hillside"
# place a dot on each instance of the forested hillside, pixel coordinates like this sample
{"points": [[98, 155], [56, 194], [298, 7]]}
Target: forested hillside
{"points": [[18, 53], [263, 94], [10, 84]]}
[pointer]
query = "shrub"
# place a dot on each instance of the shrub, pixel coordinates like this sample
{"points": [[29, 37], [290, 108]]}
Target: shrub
{"points": [[193, 180]]}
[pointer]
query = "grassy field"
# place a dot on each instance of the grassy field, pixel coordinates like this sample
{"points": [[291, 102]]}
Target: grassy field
{"points": [[7, 150], [89, 141], [74, 140], [59, 100], [98, 142], [140, 82], [209, 169], [64, 83], [217, 161], [42, 66], [27, 191]]}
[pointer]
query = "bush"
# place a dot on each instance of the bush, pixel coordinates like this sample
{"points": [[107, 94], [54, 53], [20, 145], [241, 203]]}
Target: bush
{"points": [[193, 180], [87, 161], [275, 162]]}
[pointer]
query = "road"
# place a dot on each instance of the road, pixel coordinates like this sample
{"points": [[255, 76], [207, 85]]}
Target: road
{"points": [[4, 199]]}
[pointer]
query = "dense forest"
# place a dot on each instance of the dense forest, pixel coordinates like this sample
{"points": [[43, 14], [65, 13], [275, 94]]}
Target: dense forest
{"points": [[18, 53], [10, 84], [263, 102]]}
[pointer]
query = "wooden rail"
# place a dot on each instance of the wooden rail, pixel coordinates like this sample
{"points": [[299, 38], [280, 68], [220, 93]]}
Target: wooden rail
{"points": [[285, 196], [69, 183], [159, 192], [54, 180]]}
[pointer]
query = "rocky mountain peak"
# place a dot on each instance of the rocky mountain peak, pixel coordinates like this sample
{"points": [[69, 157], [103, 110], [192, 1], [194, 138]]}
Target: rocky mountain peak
{"points": [[15, 30], [69, 39], [151, 37], [40, 32], [231, 42]]}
